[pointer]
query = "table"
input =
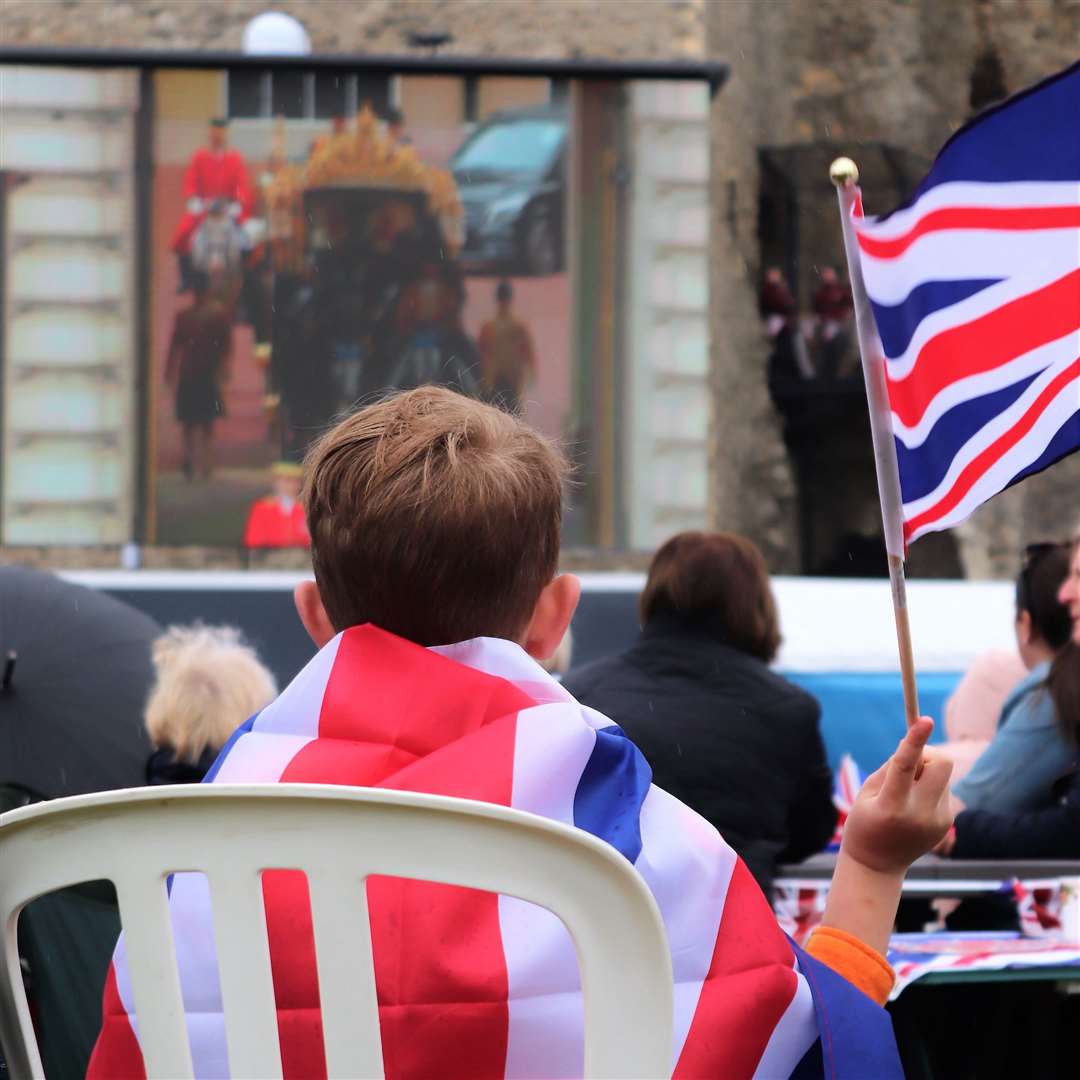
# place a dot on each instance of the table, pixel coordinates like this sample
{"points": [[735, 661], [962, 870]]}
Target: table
{"points": [[934, 876], [970, 1024]]}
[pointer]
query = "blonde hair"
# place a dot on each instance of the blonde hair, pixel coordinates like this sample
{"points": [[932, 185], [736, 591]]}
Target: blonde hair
{"points": [[209, 681]]}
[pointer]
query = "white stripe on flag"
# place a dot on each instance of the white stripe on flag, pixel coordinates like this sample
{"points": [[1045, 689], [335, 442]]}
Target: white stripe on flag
{"points": [[545, 1015], [969, 255], [688, 867], [260, 757], [796, 1032], [296, 709], [969, 193], [196, 956], [505, 659]]}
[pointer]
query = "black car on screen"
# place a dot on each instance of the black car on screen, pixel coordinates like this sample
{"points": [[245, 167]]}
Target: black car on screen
{"points": [[511, 176]]}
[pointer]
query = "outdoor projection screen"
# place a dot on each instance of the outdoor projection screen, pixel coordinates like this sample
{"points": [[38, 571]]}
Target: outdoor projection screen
{"points": [[207, 260]]}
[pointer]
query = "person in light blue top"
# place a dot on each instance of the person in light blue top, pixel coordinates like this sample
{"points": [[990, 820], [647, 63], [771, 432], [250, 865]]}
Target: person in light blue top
{"points": [[1030, 751]]}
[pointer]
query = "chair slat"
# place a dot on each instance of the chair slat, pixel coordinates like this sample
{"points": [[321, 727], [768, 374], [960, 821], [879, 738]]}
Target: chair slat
{"points": [[155, 981], [247, 986], [347, 994]]}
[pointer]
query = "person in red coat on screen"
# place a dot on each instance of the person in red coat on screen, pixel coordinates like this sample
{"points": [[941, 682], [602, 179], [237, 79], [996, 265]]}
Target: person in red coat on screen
{"points": [[277, 520], [215, 172]]}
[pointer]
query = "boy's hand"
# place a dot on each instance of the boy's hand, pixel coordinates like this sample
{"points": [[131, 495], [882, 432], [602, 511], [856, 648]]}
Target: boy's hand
{"points": [[902, 811]]}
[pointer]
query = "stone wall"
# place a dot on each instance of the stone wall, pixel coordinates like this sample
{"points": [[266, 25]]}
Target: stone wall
{"points": [[637, 29]]}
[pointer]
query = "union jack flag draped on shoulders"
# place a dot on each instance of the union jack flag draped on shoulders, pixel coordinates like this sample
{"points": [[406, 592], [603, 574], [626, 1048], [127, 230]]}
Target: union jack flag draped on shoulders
{"points": [[975, 289], [476, 985]]}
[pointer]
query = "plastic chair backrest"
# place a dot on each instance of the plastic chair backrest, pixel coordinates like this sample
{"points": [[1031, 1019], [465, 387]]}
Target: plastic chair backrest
{"points": [[338, 837]]}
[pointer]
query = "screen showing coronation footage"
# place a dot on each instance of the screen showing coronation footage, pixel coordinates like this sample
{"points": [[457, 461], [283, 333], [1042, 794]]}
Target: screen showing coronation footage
{"points": [[204, 268]]}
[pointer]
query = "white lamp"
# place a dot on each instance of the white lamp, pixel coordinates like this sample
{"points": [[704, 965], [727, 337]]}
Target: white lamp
{"points": [[273, 33]]}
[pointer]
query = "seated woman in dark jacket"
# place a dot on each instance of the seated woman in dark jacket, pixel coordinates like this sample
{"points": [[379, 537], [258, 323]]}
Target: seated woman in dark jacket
{"points": [[1052, 830], [722, 732]]}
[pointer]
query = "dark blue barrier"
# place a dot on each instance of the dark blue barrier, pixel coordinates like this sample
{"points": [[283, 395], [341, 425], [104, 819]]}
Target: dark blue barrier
{"points": [[862, 712]]}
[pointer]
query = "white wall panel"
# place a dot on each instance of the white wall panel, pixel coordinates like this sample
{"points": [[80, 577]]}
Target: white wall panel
{"points": [[668, 408], [79, 336], [67, 88], [69, 317]]}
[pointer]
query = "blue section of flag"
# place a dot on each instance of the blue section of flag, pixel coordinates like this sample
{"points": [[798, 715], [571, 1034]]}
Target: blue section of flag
{"points": [[922, 468], [243, 729], [896, 324], [857, 1039], [1035, 135], [612, 788]]}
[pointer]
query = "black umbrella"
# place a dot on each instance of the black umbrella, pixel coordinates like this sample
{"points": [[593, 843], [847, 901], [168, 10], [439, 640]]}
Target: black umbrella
{"points": [[75, 675]]}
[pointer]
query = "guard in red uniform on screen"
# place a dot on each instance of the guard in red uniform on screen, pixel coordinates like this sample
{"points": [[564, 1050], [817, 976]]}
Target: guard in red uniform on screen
{"points": [[277, 520], [215, 172]]}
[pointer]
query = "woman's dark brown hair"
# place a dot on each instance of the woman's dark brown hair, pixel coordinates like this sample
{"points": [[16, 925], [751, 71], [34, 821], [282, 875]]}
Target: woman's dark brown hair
{"points": [[721, 580], [1043, 570], [1063, 682]]}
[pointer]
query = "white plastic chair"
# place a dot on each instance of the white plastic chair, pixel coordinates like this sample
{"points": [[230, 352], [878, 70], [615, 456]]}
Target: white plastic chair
{"points": [[337, 836]]}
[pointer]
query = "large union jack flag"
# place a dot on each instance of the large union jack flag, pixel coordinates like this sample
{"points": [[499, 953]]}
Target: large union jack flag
{"points": [[479, 986], [975, 288]]}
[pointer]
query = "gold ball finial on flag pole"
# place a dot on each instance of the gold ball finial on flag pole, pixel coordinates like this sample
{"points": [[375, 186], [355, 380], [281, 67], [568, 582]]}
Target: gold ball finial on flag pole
{"points": [[844, 171]]}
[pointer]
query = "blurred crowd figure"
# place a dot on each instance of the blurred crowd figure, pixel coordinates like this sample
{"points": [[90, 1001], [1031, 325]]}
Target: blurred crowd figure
{"points": [[277, 520], [811, 347], [209, 681], [507, 355], [1021, 796], [1002, 694], [1013, 725], [197, 369], [218, 199]]}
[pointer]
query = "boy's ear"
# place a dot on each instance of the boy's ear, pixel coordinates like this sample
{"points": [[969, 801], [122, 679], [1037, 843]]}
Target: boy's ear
{"points": [[551, 616], [309, 607]]}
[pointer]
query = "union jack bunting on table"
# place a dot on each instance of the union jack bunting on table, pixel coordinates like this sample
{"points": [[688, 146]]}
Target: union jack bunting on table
{"points": [[916, 955], [846, 784], [475, 985], [975, 289]]}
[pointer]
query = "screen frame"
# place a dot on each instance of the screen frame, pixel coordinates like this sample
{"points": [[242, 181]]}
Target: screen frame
{"points": [[713, 72]]}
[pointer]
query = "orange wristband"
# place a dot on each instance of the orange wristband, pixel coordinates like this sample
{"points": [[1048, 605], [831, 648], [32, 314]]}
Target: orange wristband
{"points": [[865, 968]]}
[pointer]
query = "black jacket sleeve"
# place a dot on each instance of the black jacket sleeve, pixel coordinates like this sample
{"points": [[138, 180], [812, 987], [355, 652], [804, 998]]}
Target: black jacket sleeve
{"points": [[1050, 833], [812, 814]]}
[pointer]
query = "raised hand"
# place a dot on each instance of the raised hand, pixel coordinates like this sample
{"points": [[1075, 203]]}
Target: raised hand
{"points": [[903, 809]]}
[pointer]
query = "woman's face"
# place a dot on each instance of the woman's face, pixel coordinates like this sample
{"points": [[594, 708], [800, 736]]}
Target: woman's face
{"points": [[1069, 593]]}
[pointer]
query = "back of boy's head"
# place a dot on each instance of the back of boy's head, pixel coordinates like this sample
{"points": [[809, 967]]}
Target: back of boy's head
{"points": [[433, 516]]}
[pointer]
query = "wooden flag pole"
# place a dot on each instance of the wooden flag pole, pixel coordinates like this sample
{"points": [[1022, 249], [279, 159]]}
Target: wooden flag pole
{"points": [[845, 175]]}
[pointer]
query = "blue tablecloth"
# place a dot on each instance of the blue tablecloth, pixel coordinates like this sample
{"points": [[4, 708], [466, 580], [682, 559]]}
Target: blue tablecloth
{"points": [[862, 713]]}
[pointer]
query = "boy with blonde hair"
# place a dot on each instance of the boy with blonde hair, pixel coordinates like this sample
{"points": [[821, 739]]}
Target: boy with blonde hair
{"points": [[435, 526]]}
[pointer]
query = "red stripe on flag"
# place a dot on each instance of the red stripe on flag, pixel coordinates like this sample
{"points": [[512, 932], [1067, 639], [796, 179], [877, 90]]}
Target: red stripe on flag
{"points": [[750, 984], [985, 343], [975, 468], [389, 710], [996, 218], [117, 1055]]}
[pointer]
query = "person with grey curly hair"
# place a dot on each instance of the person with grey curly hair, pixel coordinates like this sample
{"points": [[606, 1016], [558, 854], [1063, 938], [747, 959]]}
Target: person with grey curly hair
{"points": [[209, 681]]}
